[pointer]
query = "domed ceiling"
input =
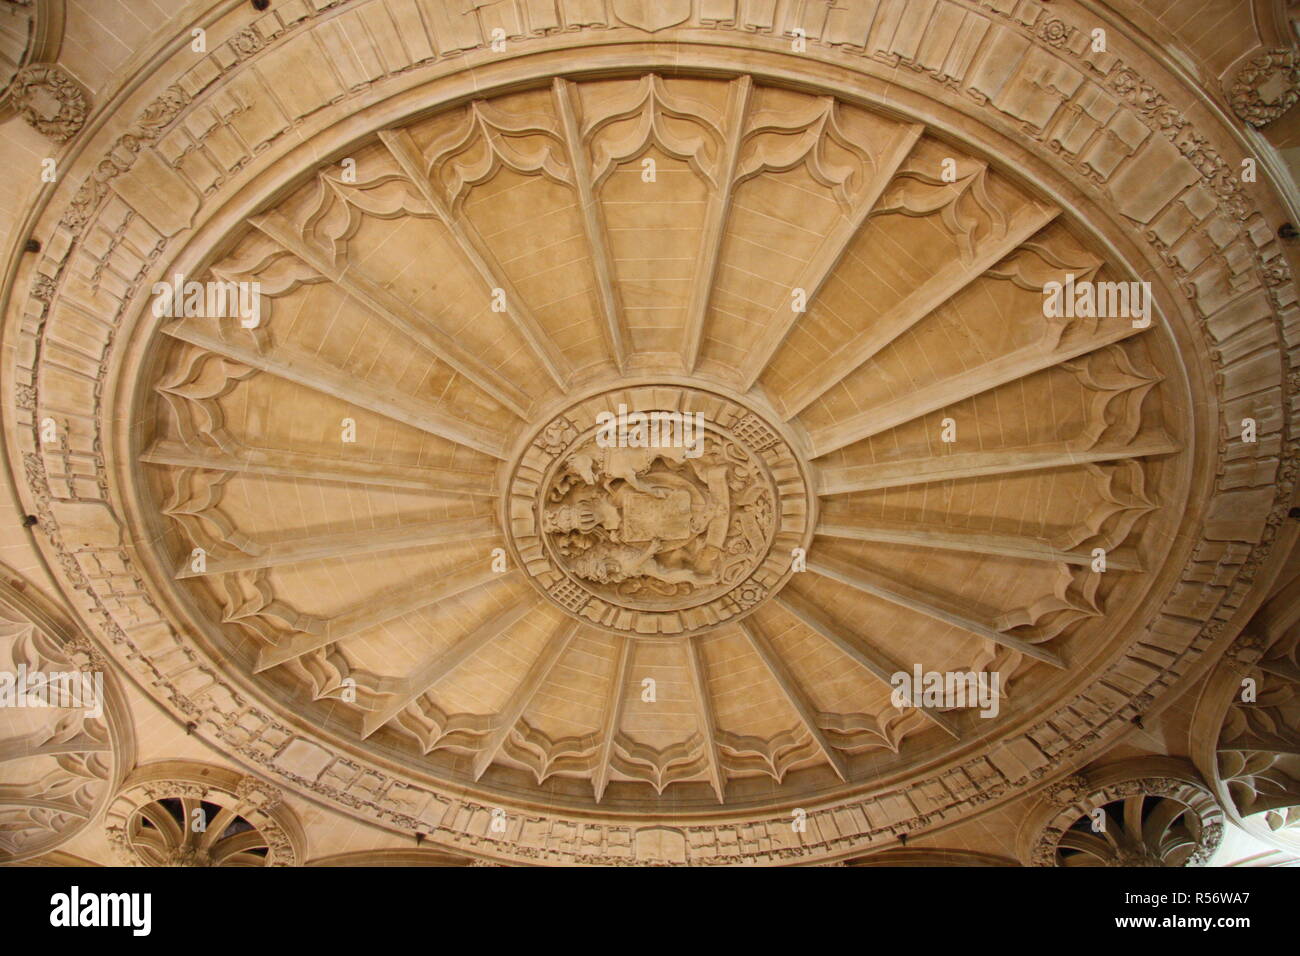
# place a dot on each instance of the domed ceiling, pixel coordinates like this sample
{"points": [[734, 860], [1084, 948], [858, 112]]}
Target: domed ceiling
{"points": [[409, 532], [371, 539]]}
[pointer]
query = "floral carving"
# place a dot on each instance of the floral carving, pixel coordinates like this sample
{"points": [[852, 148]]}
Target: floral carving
{"points": [[1266, 87], [51, 101]]}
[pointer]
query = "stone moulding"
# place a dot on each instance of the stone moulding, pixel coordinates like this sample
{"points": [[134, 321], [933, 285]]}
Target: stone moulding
{"points": [[1085, 112]]}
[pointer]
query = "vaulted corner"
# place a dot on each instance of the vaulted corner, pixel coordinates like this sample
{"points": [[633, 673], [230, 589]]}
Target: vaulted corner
{"points": [[694, 433]]}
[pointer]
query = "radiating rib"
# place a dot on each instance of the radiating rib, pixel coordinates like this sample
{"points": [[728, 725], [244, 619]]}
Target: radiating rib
{"points": [[931, 605], [919, 303], [44, 803], [613, 718], [218, 825], [426, 677], [480, 258], [1259, 743], [914, 403], [794, 693], [597, 240], [235, 847], [703, 704], [524, 693], [287, 464], [309, 371], [871, 659], [964, 539], [814, 275], [1280, 668], [383, 607], [341, 544], [715, 222], [1098, 847], [397, 314], [166, 830], [977, 464], [21, 747], [1158, 823]]}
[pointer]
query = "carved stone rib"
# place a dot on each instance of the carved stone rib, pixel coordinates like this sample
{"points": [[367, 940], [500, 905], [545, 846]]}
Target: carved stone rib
{"points": [[715, 223], [397, 315], [1280, 668], [919, 303], [383, 607], [524, 694], [794, 693], [970, 541], [931, 605], [597, 240], [18, 748], [871, 659], [703, 703], [832, 249], [342, 544], [613, 718], [309, 371], [978, 464], [427, 675], [913, 404], [287, 464], [45, 803], [480, 259]]}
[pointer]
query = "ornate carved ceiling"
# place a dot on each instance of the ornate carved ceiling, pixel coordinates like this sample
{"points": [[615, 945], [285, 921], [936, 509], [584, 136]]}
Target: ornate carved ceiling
{"points": [[370, 547], [355, 580]]}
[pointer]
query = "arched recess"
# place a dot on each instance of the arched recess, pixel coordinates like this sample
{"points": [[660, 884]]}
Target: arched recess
{"points": [[58, 765], [181, 813], [1245, 732], [1142, 812]]}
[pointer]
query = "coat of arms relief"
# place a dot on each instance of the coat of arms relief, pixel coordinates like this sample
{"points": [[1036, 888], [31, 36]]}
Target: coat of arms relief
{"points": [[651, 523], [651, 534]]}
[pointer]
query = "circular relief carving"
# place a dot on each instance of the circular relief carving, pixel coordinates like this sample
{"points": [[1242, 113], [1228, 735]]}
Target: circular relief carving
{"points": [[1145, 822], [181, 815], [665, 510], [1266, 87], [50, 100]]}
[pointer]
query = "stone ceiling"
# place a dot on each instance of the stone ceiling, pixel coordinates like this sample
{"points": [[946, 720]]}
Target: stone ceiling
{"points": [[368, 546]]}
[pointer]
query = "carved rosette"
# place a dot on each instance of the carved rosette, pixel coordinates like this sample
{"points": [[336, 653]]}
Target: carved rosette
{"points": [[1144, 822], [183, 814], [664, 534], [1266, 87]]}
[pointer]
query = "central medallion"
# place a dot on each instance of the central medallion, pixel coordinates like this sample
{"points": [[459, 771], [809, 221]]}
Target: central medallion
{"points": [[658, 510]]}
